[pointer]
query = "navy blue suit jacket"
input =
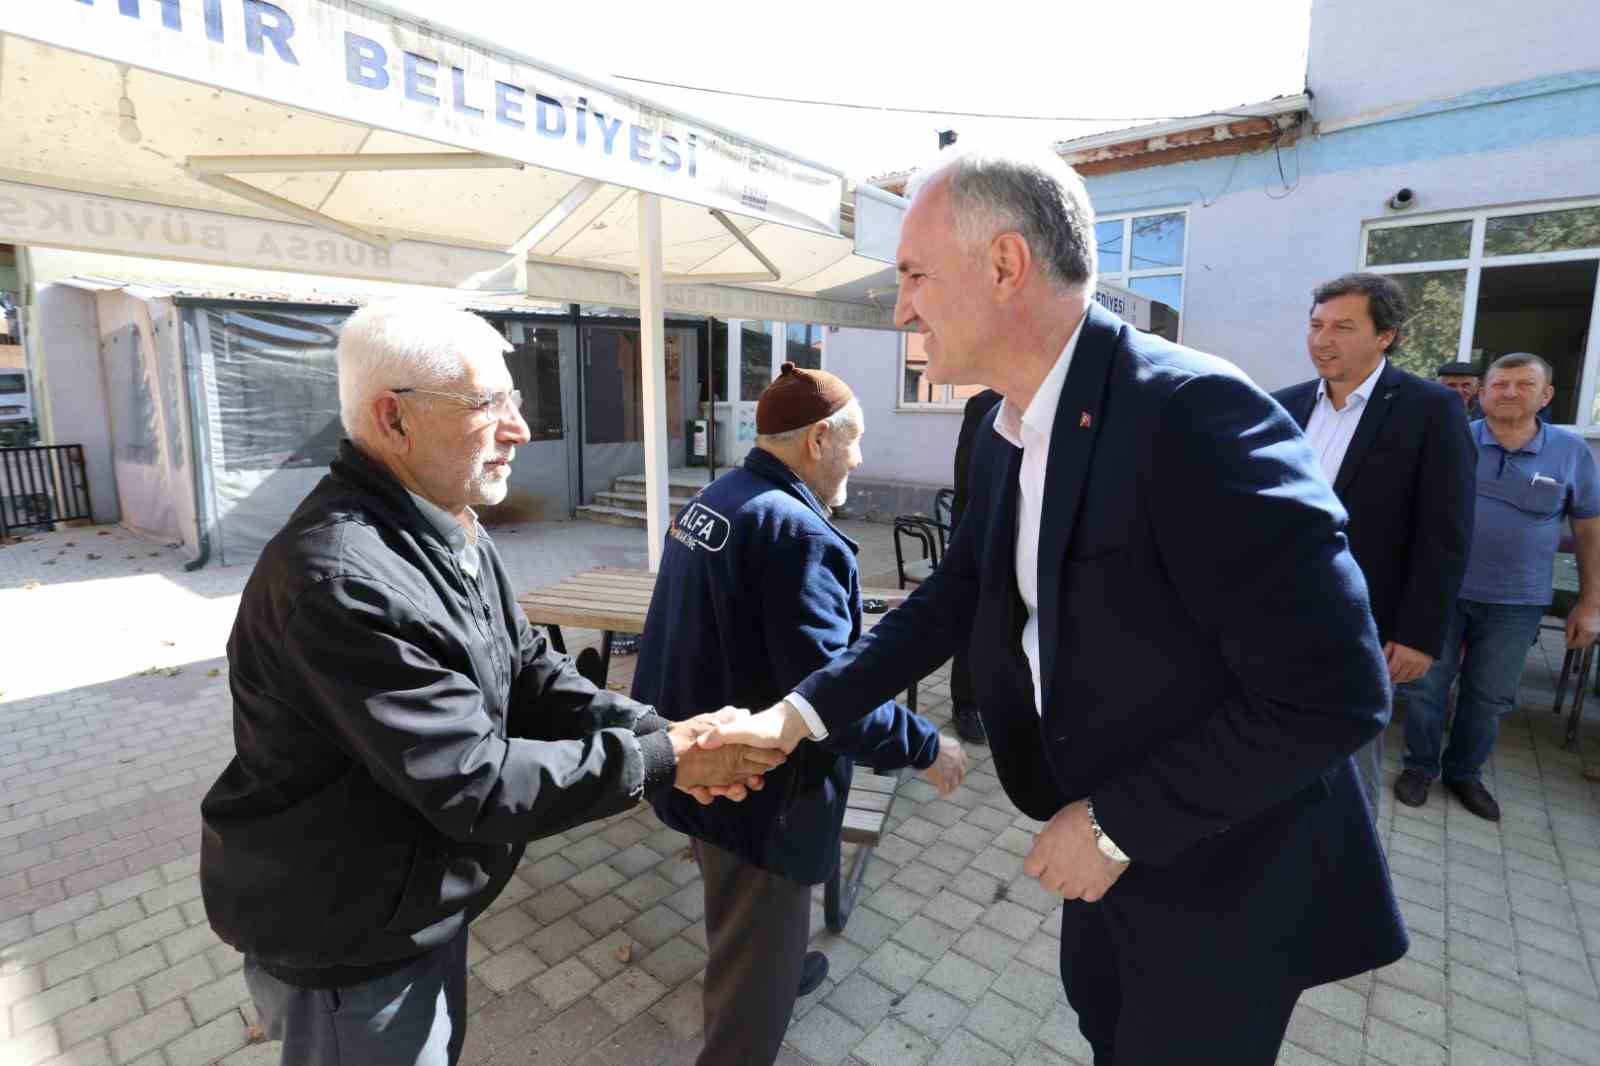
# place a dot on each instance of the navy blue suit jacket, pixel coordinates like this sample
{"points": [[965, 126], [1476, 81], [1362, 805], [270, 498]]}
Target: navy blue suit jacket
{"points": [[1408, 481], [1209, 663], [757, 588]]}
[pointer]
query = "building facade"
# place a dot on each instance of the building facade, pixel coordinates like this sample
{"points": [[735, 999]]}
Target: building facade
{"points": [[1453, 146]]}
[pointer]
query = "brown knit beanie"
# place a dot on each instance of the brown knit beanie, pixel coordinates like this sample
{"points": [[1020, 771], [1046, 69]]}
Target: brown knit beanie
{"points": [[798, 398]]}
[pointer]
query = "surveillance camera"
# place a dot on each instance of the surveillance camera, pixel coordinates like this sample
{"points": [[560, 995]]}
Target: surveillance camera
{"points": [[1403, 199]]}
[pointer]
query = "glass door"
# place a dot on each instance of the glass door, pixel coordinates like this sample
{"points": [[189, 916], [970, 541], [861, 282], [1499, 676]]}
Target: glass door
{"points": [[613, 403], [543, 474]]}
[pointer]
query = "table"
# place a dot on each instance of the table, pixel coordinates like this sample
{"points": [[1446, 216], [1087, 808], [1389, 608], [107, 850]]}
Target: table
{"points": [[616, 600]]}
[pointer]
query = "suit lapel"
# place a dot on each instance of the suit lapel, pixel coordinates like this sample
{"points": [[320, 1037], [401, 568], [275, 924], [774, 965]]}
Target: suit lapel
{"points": [[1378, 407], [1306, 405], [1077, 425]]}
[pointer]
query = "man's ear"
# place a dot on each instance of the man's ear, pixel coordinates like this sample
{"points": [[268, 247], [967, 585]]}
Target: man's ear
{"points": [[1010, 260], [389, 422], [816, 438], [1386, 338]]}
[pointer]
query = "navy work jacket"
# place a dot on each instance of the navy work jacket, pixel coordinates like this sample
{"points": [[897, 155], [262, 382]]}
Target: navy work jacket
{"points": [[757, 588]]}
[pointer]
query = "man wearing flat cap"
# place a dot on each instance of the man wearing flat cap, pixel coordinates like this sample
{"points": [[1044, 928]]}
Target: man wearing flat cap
{"points": [[757, 589], [1463, 379]]}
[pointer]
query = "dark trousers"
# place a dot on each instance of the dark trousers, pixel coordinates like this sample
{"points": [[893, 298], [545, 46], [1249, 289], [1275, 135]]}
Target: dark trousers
{"points": [[757, 927], [416, 1016], [1142, 1013]]}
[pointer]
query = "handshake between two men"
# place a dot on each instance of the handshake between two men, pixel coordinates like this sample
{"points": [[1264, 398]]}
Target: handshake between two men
{"points": [[727, 753]]}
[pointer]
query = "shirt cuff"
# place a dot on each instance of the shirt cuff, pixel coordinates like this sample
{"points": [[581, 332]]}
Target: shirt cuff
{"points": [[808, 714]]}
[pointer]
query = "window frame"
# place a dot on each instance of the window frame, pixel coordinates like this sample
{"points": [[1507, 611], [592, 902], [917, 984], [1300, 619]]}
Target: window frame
{"points": [[1123, 277], [777, 333], [1474, 265]]}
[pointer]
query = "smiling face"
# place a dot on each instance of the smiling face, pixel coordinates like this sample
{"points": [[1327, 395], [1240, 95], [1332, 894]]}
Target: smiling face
{"points": [[944, 292], [1344, 344]]}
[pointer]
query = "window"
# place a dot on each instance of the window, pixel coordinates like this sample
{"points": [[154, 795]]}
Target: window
{"points": [[535, 365], [1485, 283], [755, 359], [918, 391], [11, 384], [1145, 253], [277, 383], [761, 348], [803, 345]]}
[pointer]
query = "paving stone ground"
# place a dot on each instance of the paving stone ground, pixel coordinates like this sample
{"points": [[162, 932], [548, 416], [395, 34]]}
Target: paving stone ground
{"points": [[114, 720]]}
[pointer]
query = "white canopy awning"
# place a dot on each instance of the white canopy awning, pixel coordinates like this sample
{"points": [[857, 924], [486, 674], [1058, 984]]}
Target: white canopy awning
{"points": [[335, 137]]}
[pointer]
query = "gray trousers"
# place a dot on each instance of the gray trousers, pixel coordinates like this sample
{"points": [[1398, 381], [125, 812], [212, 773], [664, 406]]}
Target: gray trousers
{"points": [[757, 926], [416, 1016]]}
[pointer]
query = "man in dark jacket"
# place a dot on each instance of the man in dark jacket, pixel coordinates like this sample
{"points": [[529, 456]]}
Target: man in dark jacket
{"points": [[1176, 652], [1397, 452], [401, 731], [963, 703], [757, 589]]}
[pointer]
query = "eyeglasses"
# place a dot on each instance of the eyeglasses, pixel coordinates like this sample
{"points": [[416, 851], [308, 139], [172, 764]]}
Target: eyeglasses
{"points": [[501, 402]]}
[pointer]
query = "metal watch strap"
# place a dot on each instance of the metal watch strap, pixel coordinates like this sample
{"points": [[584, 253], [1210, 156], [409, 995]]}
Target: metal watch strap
{"points": [[1107, 846]]}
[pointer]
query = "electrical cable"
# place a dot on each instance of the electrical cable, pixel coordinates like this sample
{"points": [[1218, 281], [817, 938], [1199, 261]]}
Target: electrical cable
{"points": [[928, 110]]}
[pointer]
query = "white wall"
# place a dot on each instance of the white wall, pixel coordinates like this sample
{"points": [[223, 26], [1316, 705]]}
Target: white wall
{"points": [[903, 446], [64, 348], [1371, 55], [1258, 246]]}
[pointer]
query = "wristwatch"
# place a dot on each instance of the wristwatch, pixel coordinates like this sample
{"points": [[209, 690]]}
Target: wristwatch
{"points": [[1103, 842]]}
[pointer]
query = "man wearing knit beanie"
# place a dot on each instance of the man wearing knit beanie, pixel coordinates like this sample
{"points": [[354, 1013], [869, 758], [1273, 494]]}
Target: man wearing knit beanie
{"points": [[758, 588]]}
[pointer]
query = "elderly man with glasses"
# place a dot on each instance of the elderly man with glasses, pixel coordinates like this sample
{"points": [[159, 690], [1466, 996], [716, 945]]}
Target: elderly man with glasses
{"points": [[401, 731]]}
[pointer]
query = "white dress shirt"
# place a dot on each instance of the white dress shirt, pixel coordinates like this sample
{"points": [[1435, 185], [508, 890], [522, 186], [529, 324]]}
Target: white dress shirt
{"points": [[1030, 431], [1330, 429]]}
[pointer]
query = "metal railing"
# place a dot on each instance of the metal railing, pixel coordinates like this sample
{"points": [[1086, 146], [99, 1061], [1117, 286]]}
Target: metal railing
{"points": [[42, 485]]}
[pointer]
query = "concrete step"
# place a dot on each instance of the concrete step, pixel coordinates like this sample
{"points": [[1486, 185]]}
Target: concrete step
{"points": [[679, 487], [634, 501], [615, 516]]}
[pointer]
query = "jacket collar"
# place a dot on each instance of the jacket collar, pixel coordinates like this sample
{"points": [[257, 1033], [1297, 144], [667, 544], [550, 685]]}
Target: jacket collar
{"points": [[360, 471], [769, 467]]}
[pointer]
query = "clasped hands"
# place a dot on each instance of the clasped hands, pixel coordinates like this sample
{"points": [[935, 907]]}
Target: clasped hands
{"points": [[776, 731], [1065, 858], [733, 770]]}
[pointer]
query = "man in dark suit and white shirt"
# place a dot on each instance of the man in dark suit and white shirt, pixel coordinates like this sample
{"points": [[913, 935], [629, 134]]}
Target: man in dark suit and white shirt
{"points": [[1398, 454], [1174, 652]]}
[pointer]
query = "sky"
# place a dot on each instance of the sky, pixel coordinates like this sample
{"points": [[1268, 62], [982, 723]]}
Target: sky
{"points": [[1116, 62]]}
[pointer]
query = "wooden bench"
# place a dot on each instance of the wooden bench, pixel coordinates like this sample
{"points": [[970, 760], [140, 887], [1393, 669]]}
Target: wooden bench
{"points": [[865, 817], [614, 600]]}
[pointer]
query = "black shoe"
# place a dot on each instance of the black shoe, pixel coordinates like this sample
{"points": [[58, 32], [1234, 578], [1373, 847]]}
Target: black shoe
{"points": [[969, 726], [1475, 798], [812, 972], [1411, 788]]}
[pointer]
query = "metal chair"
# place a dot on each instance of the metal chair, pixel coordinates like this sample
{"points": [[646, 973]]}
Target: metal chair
{"points": [[928, 537]]}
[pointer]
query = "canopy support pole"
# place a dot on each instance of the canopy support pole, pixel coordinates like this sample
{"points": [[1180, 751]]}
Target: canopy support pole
{"points": [[653, 336]]}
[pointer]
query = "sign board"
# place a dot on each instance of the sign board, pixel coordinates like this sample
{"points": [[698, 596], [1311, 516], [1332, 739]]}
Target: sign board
{"points": [[358, 63], [1132, 307], [51, 218]]}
